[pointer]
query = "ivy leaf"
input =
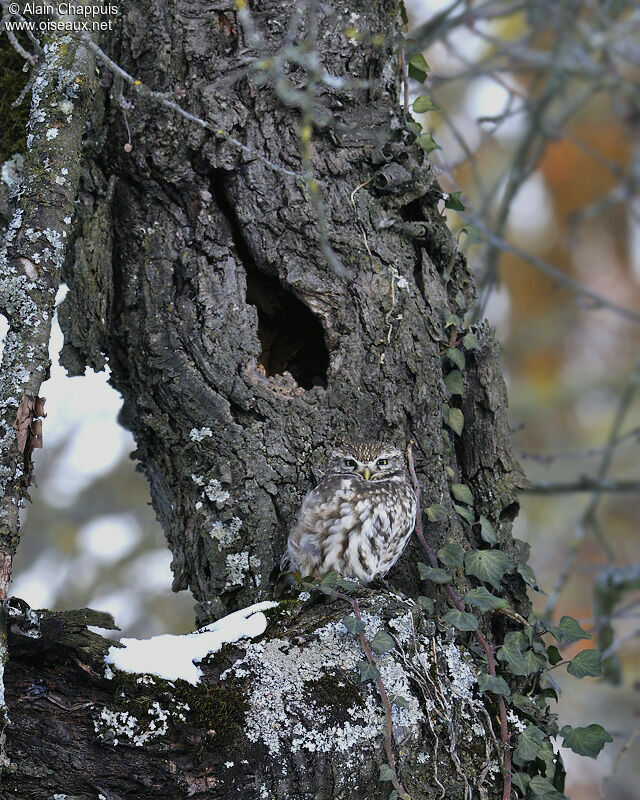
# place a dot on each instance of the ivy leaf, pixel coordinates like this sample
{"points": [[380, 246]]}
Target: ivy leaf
{"points": [[586, 663], [587, 741], [453, 202], [493, 684], [414, 126], [331, 578], [461, 620], [456, 357], [528, 576], [520, 662], [482, 599], [529, 743], [427, 142], [423, 104], [486, 531], [399, 701], [487, 565], [433, 574], [470, 341], [426, 603], [462, 493], [454, 382], [541, 787], [455, 420], [418, 67], [464, 513], [553, 654], [386, 773], [353, 625], [549, 685], [451, 319], [568, 631], [521, 781], [524, 703], [367, 671], [382, 643], [452, 555], [436, 512]]}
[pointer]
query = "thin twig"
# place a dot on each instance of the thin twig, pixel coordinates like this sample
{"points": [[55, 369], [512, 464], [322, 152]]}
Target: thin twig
{"points": [[388, 734], [589, 514], [584, 484], [505, 735], [165, 99]]}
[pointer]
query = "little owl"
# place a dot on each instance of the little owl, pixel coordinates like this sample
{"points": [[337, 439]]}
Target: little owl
{"points": [[358, 519]]}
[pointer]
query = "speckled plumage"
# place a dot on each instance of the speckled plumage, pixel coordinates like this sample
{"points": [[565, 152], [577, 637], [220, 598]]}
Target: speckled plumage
{"points": [[359, 517]]}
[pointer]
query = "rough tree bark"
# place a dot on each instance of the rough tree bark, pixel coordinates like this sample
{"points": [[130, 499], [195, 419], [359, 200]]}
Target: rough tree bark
{"points": [[242, 356]]}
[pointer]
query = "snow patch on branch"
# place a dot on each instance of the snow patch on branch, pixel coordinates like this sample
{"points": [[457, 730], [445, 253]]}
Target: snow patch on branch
{"points": [[173, 657]]}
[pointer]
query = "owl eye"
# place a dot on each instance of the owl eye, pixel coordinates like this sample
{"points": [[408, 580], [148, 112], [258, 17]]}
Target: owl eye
{"points": [[382, 462], [349, 462]]}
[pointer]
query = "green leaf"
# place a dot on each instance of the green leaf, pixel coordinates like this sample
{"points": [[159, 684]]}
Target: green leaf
{"points": [[541, 787], [528, 576], [456, 357], [451, 319], [367, 671], [569, 631], [386, 773], [529, 743], [470, 341], [393, 795], [588, 663], [436, 512], [454, 382], [487, 565], [549, 685], [433, 574], [453, 202], [452, 555], [418, 67], [482, 599], [553, 655], [426, 603], [461, 620], [382, 643], [414, 126], [399, 701], [521, 781], [520, 662], [464, 513], [462, 493], [455, 420], [423, 104], [352, 624], [524, 703], [493, 684], [486, 530], [427, 142], [587, 741], [331, 578]]}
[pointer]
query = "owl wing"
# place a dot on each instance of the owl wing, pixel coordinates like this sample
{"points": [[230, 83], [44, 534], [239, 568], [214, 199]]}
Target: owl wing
{"points": [[303, 551]]}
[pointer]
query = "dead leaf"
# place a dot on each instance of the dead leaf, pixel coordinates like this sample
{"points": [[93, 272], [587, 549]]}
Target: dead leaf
{"points": [[24, 416]]}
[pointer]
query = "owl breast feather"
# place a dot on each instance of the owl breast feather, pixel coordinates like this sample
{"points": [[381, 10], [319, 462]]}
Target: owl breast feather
{"points": [[355, 527]]}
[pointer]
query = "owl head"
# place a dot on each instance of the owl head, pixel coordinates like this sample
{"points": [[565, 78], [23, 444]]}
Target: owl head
{"points": [[372, 461]]}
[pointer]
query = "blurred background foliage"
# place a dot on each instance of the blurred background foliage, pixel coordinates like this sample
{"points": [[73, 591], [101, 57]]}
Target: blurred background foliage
{"points": [[537, 118]]}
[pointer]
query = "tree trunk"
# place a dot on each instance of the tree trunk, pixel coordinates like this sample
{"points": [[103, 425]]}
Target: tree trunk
{"points": [[244, 351]]}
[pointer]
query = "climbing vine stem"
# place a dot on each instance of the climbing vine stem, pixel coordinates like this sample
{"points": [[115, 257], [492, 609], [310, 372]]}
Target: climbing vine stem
{"points": [[505, 735]]}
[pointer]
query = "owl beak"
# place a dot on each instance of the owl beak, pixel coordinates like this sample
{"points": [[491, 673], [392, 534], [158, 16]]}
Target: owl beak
{"points": [[366, 474]]}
